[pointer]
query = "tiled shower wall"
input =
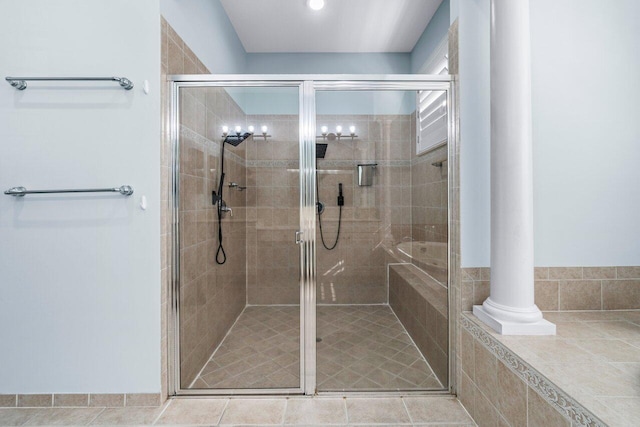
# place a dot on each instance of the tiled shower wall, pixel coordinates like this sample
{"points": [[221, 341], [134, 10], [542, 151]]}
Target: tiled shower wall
{"points": [[211, 295], [373, 218], [429, 196], [273, 213]]}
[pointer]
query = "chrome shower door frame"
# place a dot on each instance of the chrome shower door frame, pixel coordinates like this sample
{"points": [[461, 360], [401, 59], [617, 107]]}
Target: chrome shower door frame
{"points": [[203, 81], [307, 86], [407, 82]]}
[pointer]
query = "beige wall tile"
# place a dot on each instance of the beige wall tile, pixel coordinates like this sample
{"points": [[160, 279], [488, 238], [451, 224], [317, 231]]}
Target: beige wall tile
{"points": [[512, 396], [35, 400], [580, 295], [541, 273], [481, 291], [628, 272], [467, 354], [466, 393], [485, 414], [142, 399], [542, 414], [565, 273], [71, 400], [175, 60], [485, 371], [471, 273], [106, 400], [546, 294], [621, 294], [599, 272], [8, 400]]}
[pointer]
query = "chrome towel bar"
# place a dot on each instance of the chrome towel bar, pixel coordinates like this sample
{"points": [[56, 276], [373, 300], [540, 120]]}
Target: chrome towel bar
{"points": [[125, 190], [20, 83]]}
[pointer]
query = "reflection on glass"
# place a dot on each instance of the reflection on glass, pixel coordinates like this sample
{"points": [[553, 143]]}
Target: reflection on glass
{"points": [[239, 207], [382, 290]]}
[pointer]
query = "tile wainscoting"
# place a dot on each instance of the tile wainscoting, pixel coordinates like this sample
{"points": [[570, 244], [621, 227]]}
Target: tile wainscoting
{"points": [[79, 400], [566, 288], [498, 387]]}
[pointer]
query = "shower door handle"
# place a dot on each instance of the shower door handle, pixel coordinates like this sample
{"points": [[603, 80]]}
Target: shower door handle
{"points": [[299, 237]]}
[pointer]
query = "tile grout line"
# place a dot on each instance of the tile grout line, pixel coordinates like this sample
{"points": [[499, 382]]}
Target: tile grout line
{"points": [[284, 413], [166, 406], [406, 409], [199, 376], [346, 410], [26, 422], [96, 417], [223, 411]]}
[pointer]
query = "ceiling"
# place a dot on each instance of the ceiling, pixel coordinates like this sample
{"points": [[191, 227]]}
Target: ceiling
{"points": [[268, 26]]}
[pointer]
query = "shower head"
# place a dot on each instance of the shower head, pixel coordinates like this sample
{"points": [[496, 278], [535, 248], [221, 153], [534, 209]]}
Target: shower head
{"points": [[321, 150], [236, 139]]}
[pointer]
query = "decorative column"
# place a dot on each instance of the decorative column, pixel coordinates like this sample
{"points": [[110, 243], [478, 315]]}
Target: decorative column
{"points": [[510, 308]]}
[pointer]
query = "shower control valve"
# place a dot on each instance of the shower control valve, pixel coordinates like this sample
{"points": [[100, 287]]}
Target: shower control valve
{"points": [[215, 198], [226, 208]]}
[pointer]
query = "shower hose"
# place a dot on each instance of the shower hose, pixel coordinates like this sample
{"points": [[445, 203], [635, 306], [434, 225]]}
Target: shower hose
{"points": [[221, 255], [320, 221]]}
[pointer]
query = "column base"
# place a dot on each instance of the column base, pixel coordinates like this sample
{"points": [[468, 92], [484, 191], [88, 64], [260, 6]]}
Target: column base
{"points": [[541, 327]]}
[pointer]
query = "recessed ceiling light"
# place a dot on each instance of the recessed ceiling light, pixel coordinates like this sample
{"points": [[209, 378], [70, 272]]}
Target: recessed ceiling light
{"points": [[315, 4]]}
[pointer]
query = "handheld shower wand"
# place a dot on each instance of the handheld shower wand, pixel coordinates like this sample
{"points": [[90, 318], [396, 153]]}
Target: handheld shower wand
{"points": [[321, 210]]}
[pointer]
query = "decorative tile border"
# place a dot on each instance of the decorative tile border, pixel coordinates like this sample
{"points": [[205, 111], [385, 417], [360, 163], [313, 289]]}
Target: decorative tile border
{"points": [[551, 393], [289, 164], [431, 157], [293, 164], [350, 163]]}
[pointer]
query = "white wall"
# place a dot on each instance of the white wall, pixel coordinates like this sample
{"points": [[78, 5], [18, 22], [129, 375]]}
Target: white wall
{"points": [[79, 275], [205, 27], [473, 42], [431, 37], [328, 63], [586, 59], [586, 131]]}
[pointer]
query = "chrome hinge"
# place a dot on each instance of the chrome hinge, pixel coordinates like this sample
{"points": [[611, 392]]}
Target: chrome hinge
{"points": [[299, 237]]}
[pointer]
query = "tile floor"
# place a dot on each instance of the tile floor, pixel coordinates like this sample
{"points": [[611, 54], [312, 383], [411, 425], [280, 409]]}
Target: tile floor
{"points": [[595, 358], [366, 348], [408, 411], [362, 347], [262, 350]]}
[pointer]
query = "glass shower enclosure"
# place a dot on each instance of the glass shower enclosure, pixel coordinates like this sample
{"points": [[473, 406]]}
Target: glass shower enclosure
{"points": [[310, 234]]}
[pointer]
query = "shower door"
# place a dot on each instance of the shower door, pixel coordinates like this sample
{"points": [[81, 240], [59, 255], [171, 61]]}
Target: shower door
{"points": [[382, 237], [239, 242], [310, 251]]}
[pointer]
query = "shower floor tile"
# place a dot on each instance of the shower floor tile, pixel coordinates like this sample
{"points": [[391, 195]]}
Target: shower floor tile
{"points": [[365, 347], [361, 347], [262, 350]]}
